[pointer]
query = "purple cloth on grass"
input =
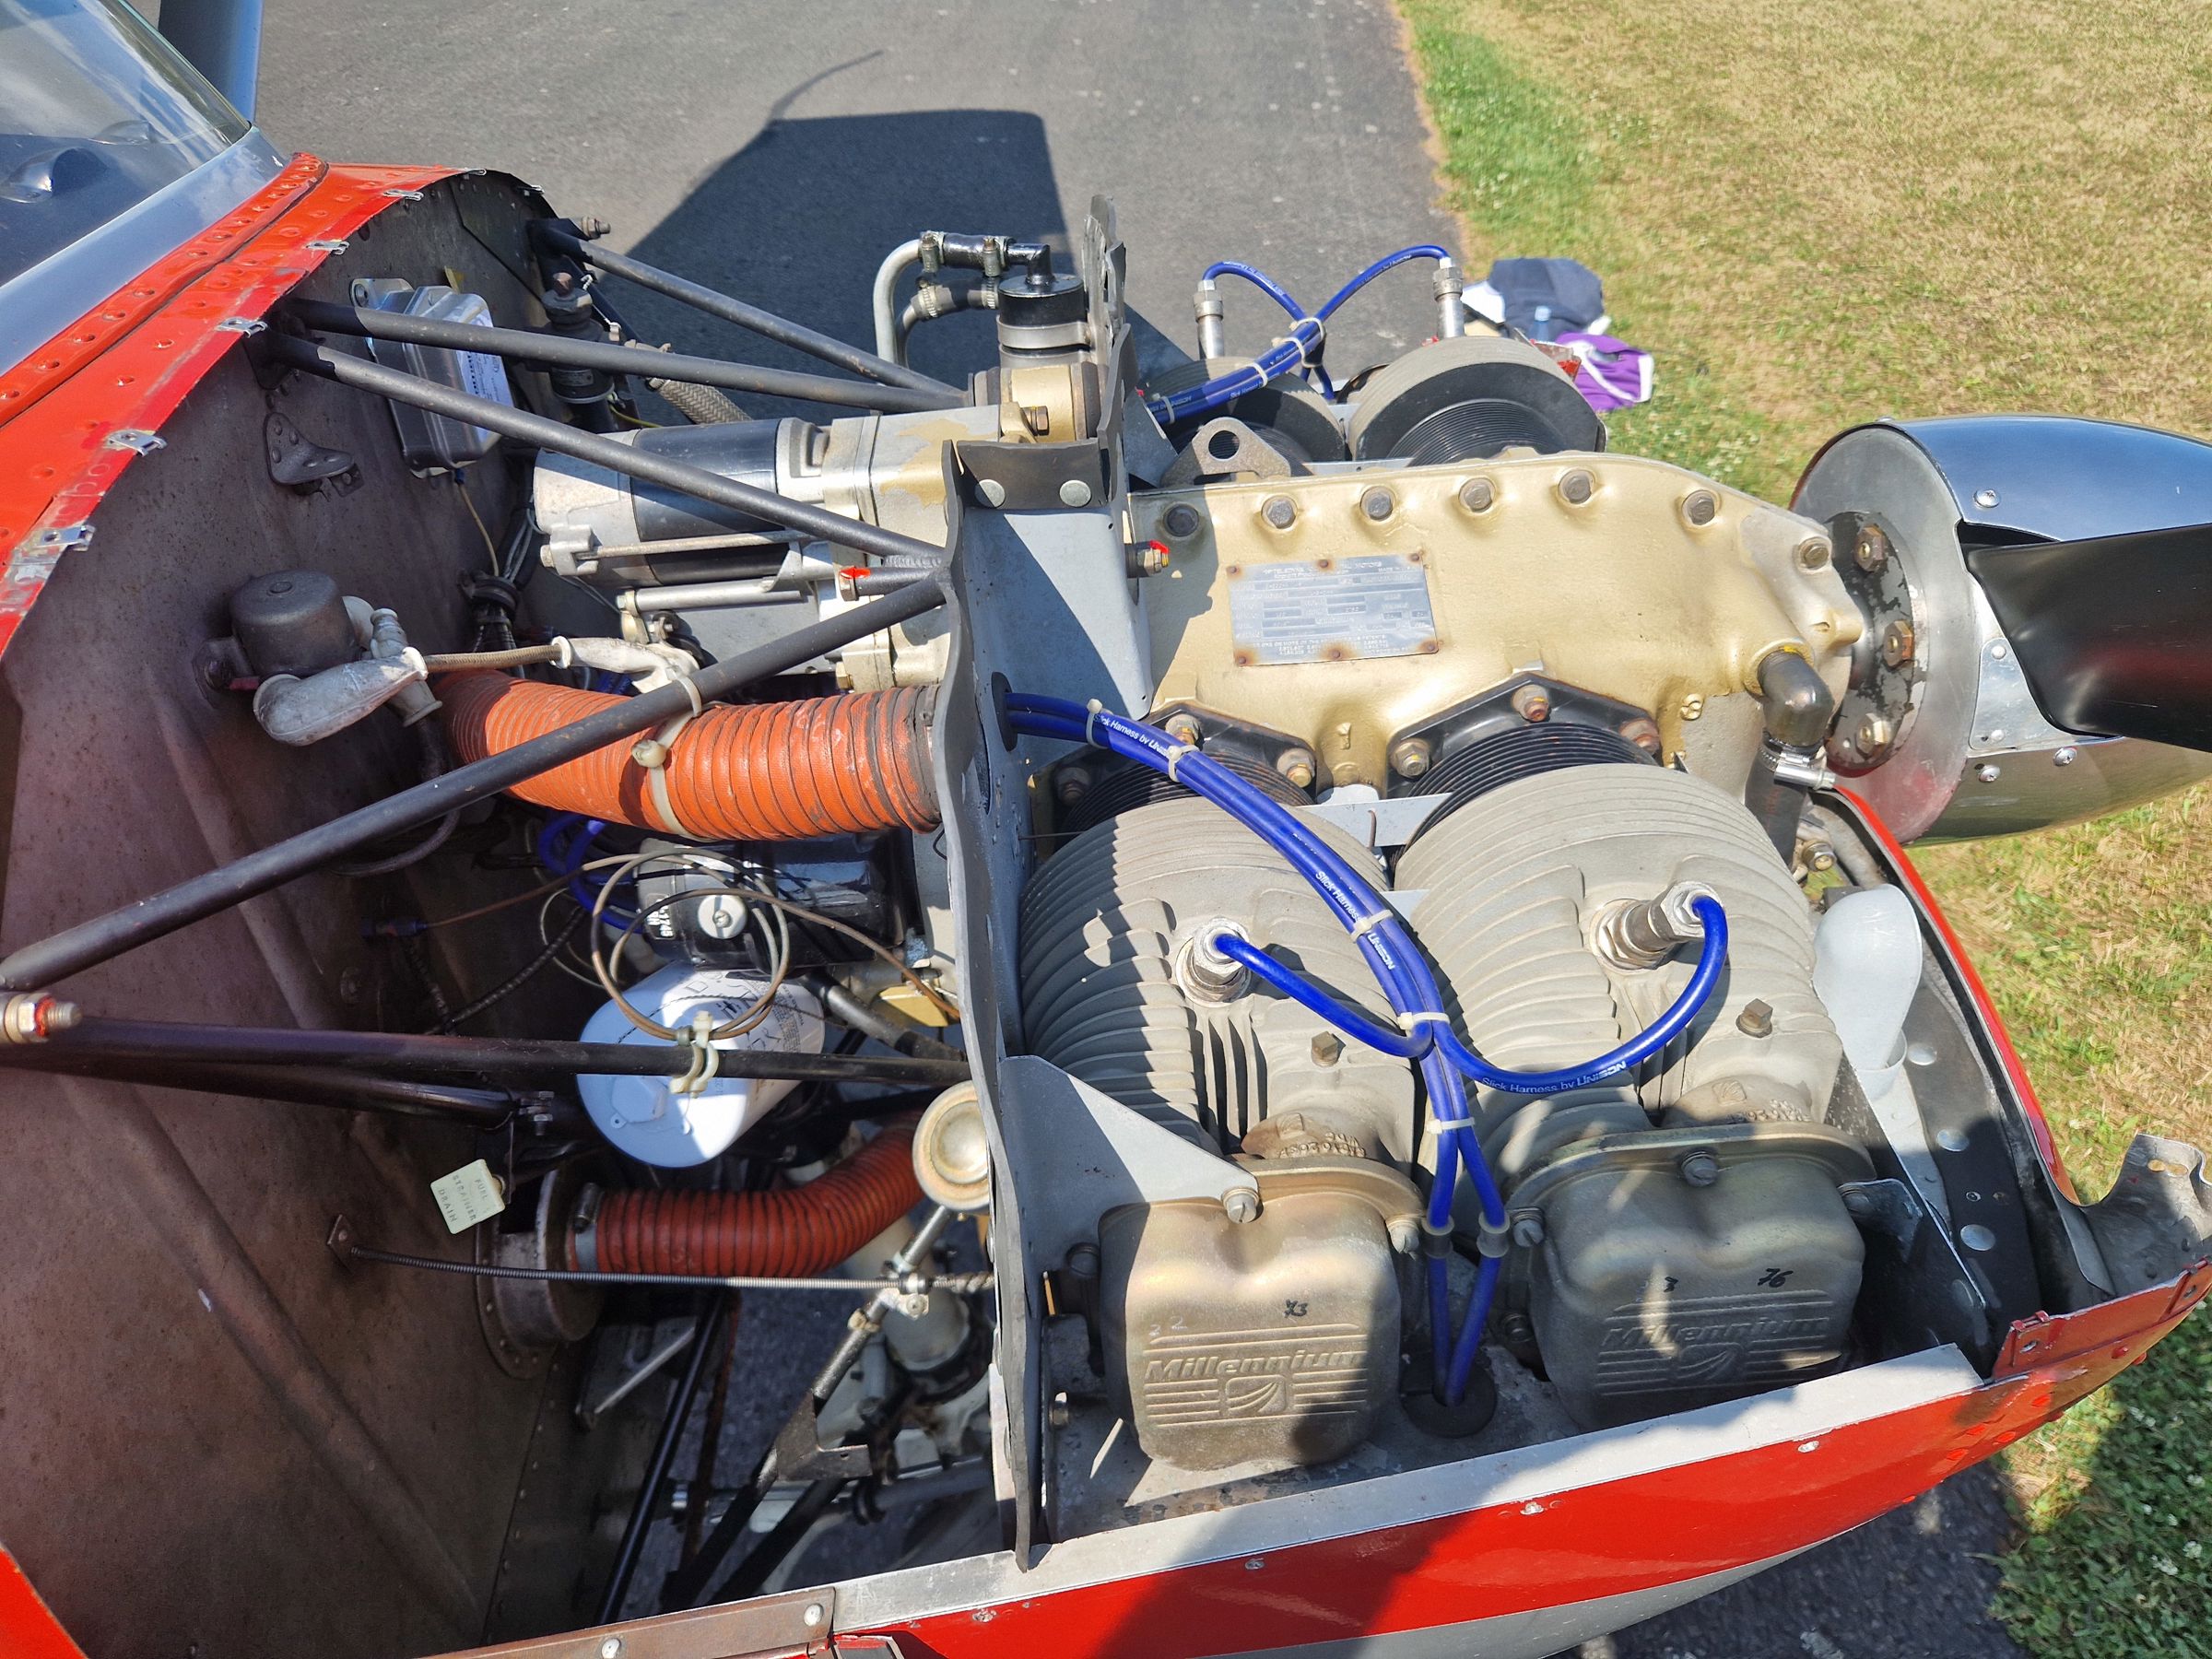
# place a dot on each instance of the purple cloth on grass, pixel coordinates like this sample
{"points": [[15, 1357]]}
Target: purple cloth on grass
{"points": [[1615, 375]]}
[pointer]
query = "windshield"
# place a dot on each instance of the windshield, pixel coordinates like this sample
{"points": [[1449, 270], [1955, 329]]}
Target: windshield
{"points": [[96, 113]]}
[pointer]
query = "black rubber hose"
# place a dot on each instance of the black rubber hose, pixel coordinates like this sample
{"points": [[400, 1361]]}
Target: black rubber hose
{"points": [[782, 330], [426, 1055], [530, 347], [90, 943]]}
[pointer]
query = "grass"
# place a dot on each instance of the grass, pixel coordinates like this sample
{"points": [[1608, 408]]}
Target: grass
{"points": [[1820, 214]]}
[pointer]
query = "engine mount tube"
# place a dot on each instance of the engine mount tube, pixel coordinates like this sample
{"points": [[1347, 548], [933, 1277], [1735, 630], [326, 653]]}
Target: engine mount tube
{"points": [[753, 771], [529, 346]]}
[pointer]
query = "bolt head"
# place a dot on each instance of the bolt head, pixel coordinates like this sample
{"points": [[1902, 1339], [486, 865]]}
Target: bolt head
{"points": [[1181, 520], [1528, 1231], [1477, 495], [1072, 784], [1241, 1205], [611, 1648], [2063, 756], [1533, 703], [1985, 498], [1700, 507], [1871, 552], [1298, 766], [1988, 773], [814, 1615], [1183, 729], [993, 492], [1757, 1019], [1409, 757], [1378, 504], [1280, 512], [1701, 1168], [1328, 1048], [1074, 493], [1577, 486], [1405, 1236], [1812, 553]]}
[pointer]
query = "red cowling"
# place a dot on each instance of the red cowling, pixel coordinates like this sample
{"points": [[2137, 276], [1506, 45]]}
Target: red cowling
{"points": [[753, 771], [793, 1233]]}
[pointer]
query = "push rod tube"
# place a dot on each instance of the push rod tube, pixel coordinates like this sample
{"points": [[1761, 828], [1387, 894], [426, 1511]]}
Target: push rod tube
{"points": [[405, 1054], [781, 330], [529, 346], [90, 943], [294, 1085]]}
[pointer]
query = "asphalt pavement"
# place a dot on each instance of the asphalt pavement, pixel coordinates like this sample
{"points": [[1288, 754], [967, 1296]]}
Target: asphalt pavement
{"points": [[777, 150]]}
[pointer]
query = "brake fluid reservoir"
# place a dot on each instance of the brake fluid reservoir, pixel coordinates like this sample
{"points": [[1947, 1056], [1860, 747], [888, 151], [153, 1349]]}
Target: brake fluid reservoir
{"points": [[644, 1116]]}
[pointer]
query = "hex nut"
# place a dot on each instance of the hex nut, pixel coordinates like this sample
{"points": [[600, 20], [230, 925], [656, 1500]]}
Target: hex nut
{"points": [[1183, 728], [1873, 736], [1642, 732], [1378, 504], [1181, 520], [1297, 765], [1897, 643], [1577, 486], [1279, 511], [1700, 507], [1871, 550], [1409, 757], [1477, 495], [1531, 703]]}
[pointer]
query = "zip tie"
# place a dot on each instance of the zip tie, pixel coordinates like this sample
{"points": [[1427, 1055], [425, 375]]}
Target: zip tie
{"points": [[1366, 925], [565, 654], [1176, 756], [699, 705], [1445, 1126], [1091, 710], [706, 1059], [1421, 1017]]}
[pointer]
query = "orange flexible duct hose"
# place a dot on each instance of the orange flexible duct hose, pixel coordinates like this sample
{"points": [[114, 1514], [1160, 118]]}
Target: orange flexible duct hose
{"points": [[793, 1233], [753, 771]]}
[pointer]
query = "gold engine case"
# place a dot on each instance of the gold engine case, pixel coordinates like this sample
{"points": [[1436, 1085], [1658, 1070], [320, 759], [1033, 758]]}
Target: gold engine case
{"points": [[1346, 628]]}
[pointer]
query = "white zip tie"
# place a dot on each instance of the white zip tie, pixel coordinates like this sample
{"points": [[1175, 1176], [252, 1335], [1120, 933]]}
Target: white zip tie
{"points": [[706, 1059], [1176, 756], [1421, 1017], [1445, 1126], [1091, 710], [1366, 925]]}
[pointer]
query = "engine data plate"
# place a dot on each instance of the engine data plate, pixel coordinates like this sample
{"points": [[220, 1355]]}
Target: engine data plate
{"points": [[1331, 610]]}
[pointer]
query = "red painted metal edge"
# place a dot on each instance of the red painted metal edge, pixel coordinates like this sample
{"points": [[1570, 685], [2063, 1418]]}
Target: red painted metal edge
{"points": [[1607, 1538], [28, 1627], [2039, 1127], [127, 365]]}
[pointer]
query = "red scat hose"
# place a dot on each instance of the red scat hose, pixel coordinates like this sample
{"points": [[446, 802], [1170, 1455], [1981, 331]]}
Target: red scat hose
{"points": [[793, 1234], [755, 771]]}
